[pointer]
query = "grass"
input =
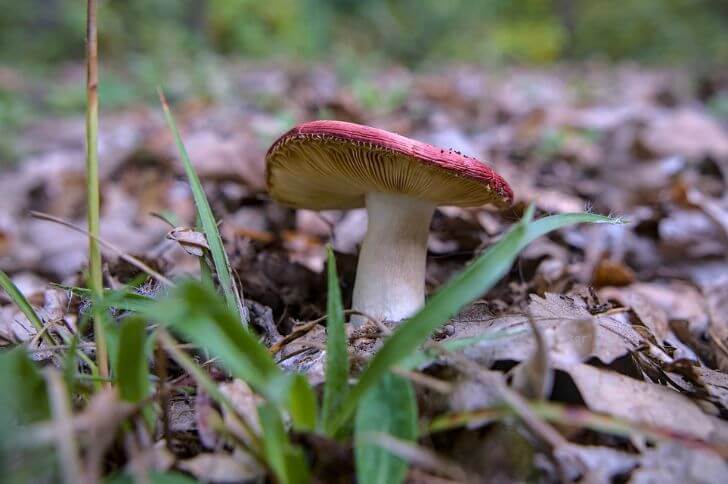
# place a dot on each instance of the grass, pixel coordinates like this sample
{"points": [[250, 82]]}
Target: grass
{"points": [[17, 297], [208, 222], [210, 317], [379, 401], [95, 278]]}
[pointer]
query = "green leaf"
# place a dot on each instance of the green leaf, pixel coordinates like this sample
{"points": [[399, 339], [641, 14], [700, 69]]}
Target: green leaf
{"points": [[23, 401], [17, 297], [302, 404], [23, 395], [124, 299], [132, 370], [154, 477], [464, 288], [390, 407], [337, 357], [208, 222], [285, 460], [195, 311]]}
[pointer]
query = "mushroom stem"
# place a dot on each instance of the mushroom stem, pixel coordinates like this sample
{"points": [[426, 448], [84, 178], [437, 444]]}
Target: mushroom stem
{"points": [[390, 276]]}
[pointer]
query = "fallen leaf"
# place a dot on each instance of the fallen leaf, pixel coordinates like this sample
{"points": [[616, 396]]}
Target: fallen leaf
{"points": [[686, 132], [637, 401], [649, 313], [716, 296], [671, 462], [245, 404], [571, 332], [193, 242], [222, 468], [593, 464], [612, 273]]}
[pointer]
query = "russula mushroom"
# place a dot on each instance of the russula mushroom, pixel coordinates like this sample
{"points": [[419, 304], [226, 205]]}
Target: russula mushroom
{"points": [[323, 165]]}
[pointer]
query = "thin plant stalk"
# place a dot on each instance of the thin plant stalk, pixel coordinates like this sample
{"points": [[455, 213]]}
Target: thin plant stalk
{"points": [[95, 280]]}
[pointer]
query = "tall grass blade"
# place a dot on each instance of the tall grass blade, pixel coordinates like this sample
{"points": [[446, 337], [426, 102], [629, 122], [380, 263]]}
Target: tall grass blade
{"points": [[197, 312], [24, 401], [19, 299], [95, 280], [285, 460], [207, 220], [132, 370], [390, 407], [337, 357], [464, 288]]}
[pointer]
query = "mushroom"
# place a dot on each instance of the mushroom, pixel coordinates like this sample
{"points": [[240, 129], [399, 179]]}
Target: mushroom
{"points": [[322, 165]]}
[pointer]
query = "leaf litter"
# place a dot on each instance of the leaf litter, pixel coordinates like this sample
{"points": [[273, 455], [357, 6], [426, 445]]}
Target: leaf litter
{"points": [[626, 323]]}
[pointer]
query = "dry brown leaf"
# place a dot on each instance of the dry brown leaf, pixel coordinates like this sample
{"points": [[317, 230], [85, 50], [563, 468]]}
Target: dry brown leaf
{"points": [[158, 458], [533, 377], [205, 418], [688, 133], [716, 296], [245, 403], [690, 233], [222, 468], [193, 242], [674, 463], [637, 401], [592, 464], [571, 332], [650, 313], [612, 273]]}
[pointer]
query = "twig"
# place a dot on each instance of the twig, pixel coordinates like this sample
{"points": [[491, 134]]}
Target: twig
{"points": [[418, 456], [64, 434], [303, 329], [425, 380], [108, 245], [519, 405], [182, 359], [161, 367]]}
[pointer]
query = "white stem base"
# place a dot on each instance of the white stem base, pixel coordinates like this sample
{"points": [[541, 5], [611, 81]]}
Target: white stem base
{"points": [[390, 277]]}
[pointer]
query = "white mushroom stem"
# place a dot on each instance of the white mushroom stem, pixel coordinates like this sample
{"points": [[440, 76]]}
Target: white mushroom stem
{"points": [[390, 276]]}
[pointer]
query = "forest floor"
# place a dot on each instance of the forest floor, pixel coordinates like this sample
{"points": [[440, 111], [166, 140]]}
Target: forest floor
{"points": [[628, 379]]}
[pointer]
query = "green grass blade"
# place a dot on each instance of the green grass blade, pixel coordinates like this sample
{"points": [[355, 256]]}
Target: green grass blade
{"points": [[390, 407], [17, 297], [154, 477], [464, 288], [124, 298], [95, 276], [23, 398], [423, 357], [197, 312], [207, 220], [302, 404], [132, 370], [208, 384], [337, 357], [285, 460]]}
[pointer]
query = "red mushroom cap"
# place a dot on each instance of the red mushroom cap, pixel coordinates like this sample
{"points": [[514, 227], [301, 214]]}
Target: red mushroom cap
{"points": [[333, 164]]}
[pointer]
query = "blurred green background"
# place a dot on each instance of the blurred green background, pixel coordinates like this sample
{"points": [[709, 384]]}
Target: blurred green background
{"points": [[188, 45], [412, 32]]}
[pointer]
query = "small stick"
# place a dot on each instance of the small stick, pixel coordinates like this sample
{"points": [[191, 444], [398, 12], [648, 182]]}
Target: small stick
{"points": [[64, 432], [108, 245]]}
